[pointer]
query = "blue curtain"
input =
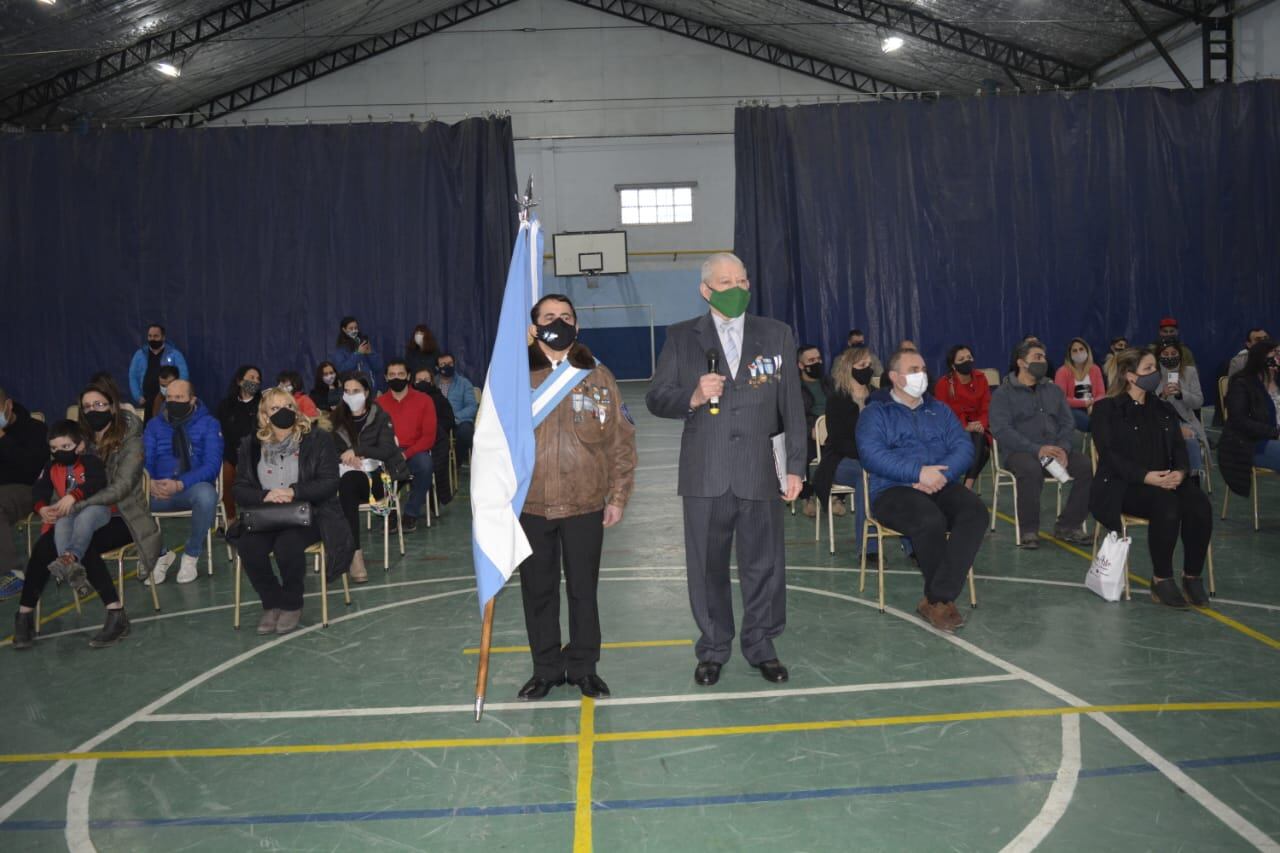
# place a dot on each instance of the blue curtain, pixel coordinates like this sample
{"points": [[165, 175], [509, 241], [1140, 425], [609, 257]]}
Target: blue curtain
{"points": [[980, 220], [249, 245]]}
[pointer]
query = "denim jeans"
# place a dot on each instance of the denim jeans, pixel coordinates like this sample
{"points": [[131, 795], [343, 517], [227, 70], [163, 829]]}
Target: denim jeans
{"points": [[74, 532], [421, 465], [849, 473], [1081, 417], [201, 500], [1195, 455]]}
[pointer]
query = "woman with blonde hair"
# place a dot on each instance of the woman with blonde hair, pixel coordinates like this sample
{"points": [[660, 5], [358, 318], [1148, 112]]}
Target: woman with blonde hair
{"points": [[851, 380], [1081, 381], [287, 462]]}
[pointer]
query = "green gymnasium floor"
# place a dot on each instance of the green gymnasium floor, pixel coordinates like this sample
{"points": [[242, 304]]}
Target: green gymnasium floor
{"points": [[1052, 720]]}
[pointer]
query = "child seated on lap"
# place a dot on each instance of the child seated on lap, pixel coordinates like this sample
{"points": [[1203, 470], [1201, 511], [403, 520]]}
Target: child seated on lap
{"points": [[70, 476]]}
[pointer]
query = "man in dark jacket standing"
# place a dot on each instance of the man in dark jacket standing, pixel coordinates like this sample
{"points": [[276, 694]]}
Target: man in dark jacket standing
{"points": [[917, 454], [728, 478], [1030, 418], [23, 452]]}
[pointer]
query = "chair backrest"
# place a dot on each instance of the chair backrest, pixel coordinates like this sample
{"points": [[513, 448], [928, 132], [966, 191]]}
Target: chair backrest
{"points": [[1093, 455], [993, 376], [995, 454], [38, 416], [73, 413], [866, 493], [820, 434], [1222, 396]]}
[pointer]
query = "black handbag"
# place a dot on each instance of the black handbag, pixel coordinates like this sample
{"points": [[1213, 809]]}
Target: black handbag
{"points": [[269, 518]]}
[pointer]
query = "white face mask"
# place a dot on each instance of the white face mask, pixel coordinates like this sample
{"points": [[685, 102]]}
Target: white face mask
{"points": [[287, 388], [917, 384], [355, 402], [1079, 357], [418, 338]]}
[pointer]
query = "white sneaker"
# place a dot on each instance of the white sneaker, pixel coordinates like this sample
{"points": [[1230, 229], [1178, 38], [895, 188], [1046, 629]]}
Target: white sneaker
{"points": [[189, 570], [162, 566]]}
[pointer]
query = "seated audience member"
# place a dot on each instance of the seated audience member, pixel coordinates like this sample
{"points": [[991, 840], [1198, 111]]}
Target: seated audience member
{"points": [[366, 442], [115, 436], [413, 416], [144, 369], [461, 395], [850, 392], [965, 391], [916, 453], [857, 339], [1238, 360], [1031, 420], [71, 476], [290, 382], [815, 387], [1169, 334], [1251, 435], [238, 416], [168, 373], [286, 461], [353, 352], [184, 458], [1030, 339], [421, 350], [1081, 381], [424, 381], [23, 451], [326, 392], [1118, 345], [1180, 388], [1142, 471]]}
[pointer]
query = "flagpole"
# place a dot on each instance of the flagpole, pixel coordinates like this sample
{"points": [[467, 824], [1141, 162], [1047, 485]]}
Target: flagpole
{"points": [[482, 671]]}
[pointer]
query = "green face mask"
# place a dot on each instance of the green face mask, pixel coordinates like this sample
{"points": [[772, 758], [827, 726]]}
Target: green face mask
{"points": [[731, 303]]}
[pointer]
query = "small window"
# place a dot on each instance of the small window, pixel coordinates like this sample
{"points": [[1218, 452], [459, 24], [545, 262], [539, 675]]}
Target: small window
{"points": [[662, 205]]}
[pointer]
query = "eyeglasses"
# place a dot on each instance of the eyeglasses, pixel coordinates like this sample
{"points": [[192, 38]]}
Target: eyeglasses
{"points": [[99, 406]]}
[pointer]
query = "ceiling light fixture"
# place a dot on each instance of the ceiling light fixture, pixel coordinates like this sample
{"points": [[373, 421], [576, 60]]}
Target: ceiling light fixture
{"points": [[168, 69], [48, 2], [891, 43]]}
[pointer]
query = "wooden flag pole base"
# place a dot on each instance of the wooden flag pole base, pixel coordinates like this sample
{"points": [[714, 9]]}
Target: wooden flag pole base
{"points": [[482, 669]]}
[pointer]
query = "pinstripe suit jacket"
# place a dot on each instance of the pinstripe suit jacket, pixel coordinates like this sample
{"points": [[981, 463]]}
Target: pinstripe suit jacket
{"points": [[731, 451]]}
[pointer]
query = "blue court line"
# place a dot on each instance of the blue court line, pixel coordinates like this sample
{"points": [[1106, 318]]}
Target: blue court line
{"points": [[633, 805]]}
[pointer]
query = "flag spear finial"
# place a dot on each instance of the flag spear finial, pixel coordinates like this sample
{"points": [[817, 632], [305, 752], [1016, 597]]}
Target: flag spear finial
{"points": [[526, 202]]}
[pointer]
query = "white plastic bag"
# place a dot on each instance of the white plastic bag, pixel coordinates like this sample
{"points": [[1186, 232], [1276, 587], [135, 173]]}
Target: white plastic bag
{"points": [[1106, 575]]}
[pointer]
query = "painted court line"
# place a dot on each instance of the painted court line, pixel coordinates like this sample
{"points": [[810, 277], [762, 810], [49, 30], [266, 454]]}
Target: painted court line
{"points": [[586, 768], [634, 644], [1060, 793], [635, 804], [679, 698]]}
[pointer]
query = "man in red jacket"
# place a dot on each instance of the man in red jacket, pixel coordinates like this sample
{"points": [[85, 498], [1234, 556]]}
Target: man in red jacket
{"points": [[413, 416]]}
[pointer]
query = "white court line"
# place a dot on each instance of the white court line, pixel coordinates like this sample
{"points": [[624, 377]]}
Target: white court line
{"points": [[46, 778], [1060, 792], [1229, 816], [704, 696], [77, 828]]}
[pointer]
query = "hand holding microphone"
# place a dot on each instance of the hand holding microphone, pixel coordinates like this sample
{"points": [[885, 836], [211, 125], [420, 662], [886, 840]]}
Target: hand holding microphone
{"points": [[710, 385]]}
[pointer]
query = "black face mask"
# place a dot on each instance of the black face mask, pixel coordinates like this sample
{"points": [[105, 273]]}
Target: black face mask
{"points": [[862, 375], [815, 370], [178, 411], [1169, 339], [283, 418], [156, 346], [64, 457], [397, 385], [422, 386], [98, 421], [1273, 362], [1171, 362], [964, 368], [857, 344], [447, 370], [557, 334]]}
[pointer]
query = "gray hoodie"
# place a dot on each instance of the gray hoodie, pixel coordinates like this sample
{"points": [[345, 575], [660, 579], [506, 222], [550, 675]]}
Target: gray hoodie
{"points": [[1024, 419]]}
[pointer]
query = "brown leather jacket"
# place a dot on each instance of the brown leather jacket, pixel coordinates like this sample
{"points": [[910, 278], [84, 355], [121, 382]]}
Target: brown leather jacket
{"points": [[581, 462]]}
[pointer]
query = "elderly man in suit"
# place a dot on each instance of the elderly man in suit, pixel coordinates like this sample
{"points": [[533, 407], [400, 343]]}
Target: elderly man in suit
{"points": [[727, 376]]}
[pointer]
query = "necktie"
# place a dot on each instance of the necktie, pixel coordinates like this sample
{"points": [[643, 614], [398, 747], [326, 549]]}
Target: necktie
{"points": [[731, 348]]}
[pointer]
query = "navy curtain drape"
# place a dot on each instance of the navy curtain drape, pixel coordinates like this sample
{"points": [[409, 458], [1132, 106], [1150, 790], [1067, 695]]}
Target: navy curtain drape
{"points": [[249, 245], [980, 220]]}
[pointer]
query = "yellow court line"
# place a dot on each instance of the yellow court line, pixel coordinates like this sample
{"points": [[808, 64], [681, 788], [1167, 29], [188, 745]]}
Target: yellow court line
{"points": [[613, 737], [636, 644], [1212, 614], [586, 767]]}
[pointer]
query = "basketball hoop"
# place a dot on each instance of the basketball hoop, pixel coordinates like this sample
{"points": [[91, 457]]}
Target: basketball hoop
{"points": [[593, 277]]}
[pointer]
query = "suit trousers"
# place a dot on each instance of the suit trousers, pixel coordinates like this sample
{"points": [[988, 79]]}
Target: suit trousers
{"points": [[576, 542], [711, 526]]}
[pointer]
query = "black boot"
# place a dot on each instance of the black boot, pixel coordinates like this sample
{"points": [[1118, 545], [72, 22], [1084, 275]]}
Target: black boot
{"points": [[115, 628], [24, 630]]}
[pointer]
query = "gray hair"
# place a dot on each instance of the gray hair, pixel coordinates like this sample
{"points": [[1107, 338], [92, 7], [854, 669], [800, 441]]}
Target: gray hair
{"points": [[720, 258]]}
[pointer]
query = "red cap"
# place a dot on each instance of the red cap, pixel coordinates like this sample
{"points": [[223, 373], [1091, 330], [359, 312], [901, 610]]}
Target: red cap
{"points": [[1168, 321]]}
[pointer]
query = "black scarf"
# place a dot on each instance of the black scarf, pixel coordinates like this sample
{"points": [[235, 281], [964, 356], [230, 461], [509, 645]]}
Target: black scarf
{"points": [[181, 443]]}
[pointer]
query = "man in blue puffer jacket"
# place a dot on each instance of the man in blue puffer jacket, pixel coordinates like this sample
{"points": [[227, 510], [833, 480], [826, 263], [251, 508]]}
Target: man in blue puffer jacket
{"points": [[184, 458], [917, 453]]}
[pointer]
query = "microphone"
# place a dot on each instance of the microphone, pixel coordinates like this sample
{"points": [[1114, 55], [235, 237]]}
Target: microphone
{"points": [[713, 366]]}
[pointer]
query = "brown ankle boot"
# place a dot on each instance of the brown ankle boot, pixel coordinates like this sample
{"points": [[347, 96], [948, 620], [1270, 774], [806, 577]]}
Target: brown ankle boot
{"points": [[358, 572]]}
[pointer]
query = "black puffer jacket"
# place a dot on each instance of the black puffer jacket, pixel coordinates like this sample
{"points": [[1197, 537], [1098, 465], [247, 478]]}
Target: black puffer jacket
{"points": [[1120, 440], [377, 440], [1251, 419]]}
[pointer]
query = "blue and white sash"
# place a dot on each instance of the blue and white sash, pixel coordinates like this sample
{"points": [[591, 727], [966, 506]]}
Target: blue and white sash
{"points": [[555, 388]]}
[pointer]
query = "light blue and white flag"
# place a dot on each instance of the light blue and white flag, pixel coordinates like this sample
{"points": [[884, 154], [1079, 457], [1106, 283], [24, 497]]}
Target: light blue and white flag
{"points": [[502, 452]]}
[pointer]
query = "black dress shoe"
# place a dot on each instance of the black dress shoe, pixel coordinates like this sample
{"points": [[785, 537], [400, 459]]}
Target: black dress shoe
{"points": [[591, 685], [772, 670], [538, 688], [1193, 588], [707, 673], [114, 629]]}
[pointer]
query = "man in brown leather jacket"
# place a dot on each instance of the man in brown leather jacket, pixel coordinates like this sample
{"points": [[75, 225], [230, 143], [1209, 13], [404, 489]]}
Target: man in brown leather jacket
{"points": [[584, 468]]}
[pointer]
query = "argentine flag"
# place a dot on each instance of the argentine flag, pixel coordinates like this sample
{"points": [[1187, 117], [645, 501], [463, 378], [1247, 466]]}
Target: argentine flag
{"points": [[502, 452]]}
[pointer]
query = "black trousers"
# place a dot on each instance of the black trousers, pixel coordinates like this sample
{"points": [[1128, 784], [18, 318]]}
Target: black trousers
{"points": [[926, 520], [981, 454], [1031, 478], [575, 543], [353, 490], [289, 546], [1186, 509], [440, 462], [711, 526], [114, 534]]}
